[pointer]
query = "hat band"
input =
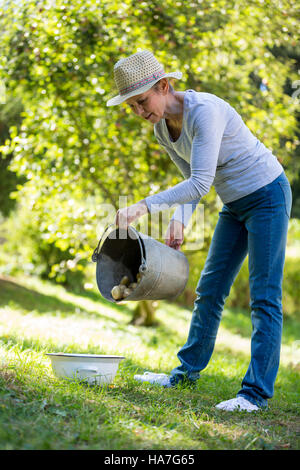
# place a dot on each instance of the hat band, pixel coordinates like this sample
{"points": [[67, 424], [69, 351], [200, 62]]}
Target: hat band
{"points": [[142, 83]]}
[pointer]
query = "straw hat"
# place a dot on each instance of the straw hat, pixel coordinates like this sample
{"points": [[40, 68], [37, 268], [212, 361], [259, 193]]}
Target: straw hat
{"points": [[136, 74]]}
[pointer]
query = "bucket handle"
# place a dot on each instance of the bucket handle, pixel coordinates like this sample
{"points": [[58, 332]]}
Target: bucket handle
{"points": [[86, 370], [143, 266], [96, 251]]}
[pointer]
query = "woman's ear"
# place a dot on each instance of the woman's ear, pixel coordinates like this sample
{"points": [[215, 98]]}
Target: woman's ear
{"points": [[162, 86]]}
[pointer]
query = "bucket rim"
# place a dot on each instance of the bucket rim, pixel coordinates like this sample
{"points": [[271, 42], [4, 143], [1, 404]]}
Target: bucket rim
{"points": [[138, 237]]}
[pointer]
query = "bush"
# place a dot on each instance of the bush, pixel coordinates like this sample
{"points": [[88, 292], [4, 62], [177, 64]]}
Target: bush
{"points": [[25, 250]]}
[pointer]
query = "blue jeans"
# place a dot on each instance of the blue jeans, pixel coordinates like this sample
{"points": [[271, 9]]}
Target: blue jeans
{"points": [[255, 225]]}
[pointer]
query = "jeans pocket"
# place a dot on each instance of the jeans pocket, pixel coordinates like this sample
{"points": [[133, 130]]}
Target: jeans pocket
{"points": [[287, 194]]}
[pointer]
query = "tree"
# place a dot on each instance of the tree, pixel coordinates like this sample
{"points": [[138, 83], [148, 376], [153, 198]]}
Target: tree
{"points": [[76, 153]]}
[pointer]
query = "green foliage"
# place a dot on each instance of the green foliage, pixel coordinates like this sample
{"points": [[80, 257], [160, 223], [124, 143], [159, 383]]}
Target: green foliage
{"points": [[9, 115], [8, 182], [36, 243], [75, 153]]}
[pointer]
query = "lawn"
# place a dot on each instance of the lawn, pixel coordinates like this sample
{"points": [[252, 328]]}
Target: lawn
{"points": [[39, 411]]}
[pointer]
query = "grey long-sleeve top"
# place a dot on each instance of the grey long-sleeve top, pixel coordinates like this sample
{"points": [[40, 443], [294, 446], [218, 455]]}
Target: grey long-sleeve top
{"points": [[216, 148]]}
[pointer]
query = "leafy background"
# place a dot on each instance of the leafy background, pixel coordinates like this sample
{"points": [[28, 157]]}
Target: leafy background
{"points": [[64, 154]]}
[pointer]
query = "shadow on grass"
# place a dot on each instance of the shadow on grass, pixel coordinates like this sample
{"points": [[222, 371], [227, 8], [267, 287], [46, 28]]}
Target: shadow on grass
{"points": [[11, 292], [97, 297], [30, 299], [235, 320]]}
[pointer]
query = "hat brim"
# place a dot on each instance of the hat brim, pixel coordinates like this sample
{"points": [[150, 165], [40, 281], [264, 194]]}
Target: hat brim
{"points": [[121, 98]]}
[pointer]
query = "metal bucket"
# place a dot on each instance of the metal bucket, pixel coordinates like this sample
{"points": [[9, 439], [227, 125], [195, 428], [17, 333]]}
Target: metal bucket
{"points": [[126, 252]]}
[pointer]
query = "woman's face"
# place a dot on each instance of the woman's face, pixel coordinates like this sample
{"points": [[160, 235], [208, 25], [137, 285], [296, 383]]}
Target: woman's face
{"points": [[149, 105]]}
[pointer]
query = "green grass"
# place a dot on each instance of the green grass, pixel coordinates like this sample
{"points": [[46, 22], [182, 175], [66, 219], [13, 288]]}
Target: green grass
{"points": [[39, 411]]}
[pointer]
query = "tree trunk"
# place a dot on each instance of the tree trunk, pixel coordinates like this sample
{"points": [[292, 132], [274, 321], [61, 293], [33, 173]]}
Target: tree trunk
{"points": [[144, 313]]}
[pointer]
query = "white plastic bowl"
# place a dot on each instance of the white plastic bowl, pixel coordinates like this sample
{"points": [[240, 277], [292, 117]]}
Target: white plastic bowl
{"points": [[92, 368]]}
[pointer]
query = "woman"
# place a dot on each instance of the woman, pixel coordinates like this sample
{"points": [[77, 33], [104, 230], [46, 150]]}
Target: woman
{"points": [[209, 142]]}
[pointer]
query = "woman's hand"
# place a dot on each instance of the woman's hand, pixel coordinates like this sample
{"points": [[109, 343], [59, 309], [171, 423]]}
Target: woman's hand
{"points": [[127, 215], [174, 235]]}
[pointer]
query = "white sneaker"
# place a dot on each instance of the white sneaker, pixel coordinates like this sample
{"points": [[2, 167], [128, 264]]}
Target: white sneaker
{"points": [[152, 378], [239, 403]]}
